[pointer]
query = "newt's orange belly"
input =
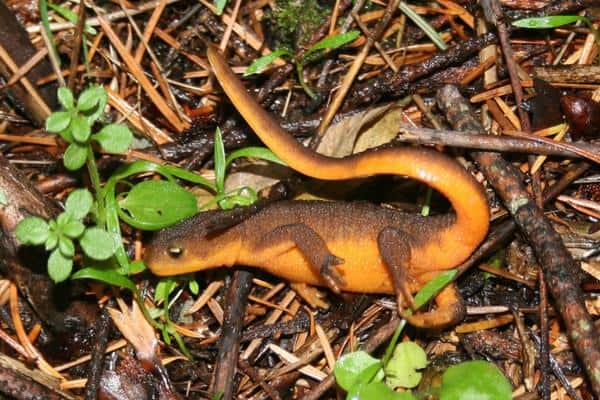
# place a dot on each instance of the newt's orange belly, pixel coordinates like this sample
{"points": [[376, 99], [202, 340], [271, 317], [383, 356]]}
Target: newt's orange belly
{"points": [[363, 269]]}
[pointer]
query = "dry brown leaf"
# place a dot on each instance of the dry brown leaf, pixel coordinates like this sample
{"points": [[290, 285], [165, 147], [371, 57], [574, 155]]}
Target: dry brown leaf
{"points": [[256, 176], [340, 139], [136, 329], [383, 131]]}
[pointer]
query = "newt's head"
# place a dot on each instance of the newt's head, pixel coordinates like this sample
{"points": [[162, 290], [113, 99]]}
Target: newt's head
{"points": [[195, 244]]}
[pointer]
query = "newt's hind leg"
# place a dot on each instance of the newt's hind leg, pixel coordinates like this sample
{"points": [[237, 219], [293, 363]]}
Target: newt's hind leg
{"points": [[450, 310], [394, 248], [312, 246]]}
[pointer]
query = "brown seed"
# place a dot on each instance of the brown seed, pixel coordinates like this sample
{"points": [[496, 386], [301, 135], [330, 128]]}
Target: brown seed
{"points": [[583, 115]]}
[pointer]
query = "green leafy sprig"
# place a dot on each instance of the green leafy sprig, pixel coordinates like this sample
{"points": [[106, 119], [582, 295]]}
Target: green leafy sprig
{"points": [[74, 125], [58, 235]]}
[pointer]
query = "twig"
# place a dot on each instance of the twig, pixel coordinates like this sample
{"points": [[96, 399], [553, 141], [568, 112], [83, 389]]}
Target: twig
{"points": [[21, 382], [229, 343], [278, 76], [157, 68], [43, 108], [227, 34], [96, 366], [257, 379], [148, 30], [377, 46], [243, 32], [358, 4], [501, 233], [494, 15], [569, 73], [32, 351], [558, 372], [519, 144], [12, 343], [25, 68], [398, 83], [54, 61], [142, 8]]}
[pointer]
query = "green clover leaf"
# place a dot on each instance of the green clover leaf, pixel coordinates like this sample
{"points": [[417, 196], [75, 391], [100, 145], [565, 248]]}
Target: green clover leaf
{"points": [[75, 156], [401, 370], [79, 203], [98, 243], [32, 230], [66, 246], [114, 138], [65, 97], [58, 121], [80, 129], [59, 266]]}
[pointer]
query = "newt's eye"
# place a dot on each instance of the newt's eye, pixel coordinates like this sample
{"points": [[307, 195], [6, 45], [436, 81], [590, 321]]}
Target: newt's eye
{"points": [[175, 251]]}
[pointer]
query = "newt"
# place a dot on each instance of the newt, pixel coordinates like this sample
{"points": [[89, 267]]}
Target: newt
{"points": [[346, 246]]}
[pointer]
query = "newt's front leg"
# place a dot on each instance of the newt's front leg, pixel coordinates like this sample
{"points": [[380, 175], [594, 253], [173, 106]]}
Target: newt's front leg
{"points": [[312, 246]]}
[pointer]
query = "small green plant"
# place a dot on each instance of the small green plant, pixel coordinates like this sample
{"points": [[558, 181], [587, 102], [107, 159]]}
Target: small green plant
{"points": [[331, 42], [480, 379], [402, 370], [58, 235], [75, 123], [367, 378], [148, 205], [242, 196]]}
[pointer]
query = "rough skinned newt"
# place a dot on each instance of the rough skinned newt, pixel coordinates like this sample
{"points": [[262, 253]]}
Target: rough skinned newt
{"points": [[356, 247]]}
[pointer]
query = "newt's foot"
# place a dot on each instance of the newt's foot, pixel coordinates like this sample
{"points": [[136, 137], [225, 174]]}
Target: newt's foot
{"points": [[332, 277], [404, 297], [450, 310]]}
